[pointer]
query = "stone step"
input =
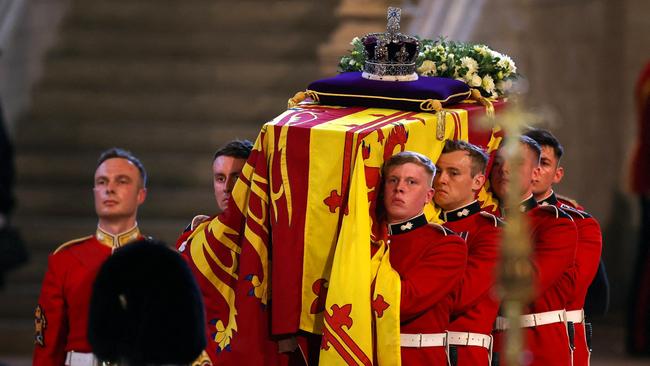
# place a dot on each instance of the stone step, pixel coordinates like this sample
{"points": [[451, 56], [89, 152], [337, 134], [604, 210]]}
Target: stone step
{"points": [[19, 300], [166, 76], [183, 16], [17, 336], [244, 47], [231, 108], [32, 272], [200, 137], [172, 168], [161, 201]]}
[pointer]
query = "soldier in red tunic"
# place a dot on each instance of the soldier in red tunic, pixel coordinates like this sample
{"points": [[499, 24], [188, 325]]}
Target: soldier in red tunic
{"points": [[589, 239], [429, 258], [554, 239], [227, 165], [461, 174], [61, 316]]}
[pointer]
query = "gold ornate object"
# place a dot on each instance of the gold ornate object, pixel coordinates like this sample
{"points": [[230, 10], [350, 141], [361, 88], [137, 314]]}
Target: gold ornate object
{"points": [[515, 270], [441, 119]]}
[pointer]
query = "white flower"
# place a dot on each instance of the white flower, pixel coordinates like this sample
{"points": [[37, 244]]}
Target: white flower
{"points": [[354, 40], [513, 67], [470, 64], [428, 68], [352, 62], [482, 49], [495, 54], [473, 80], [488, 83], [507, 64]]}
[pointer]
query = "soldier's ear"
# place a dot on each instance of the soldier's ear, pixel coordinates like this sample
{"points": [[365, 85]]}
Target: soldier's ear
{"points": [[478, 181], [536, 173], [559, 174], [142, 195], [430, 193]]}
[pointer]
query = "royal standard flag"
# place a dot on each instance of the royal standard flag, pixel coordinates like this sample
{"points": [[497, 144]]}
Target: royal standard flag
{"points": [[347, 331], [264, 265]]}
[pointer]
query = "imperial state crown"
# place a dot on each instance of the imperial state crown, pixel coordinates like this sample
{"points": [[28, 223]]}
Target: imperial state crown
{"points": [[390, 56]]}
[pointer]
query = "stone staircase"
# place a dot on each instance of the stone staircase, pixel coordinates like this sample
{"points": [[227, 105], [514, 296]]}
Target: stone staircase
{"points": [[170, 80]]}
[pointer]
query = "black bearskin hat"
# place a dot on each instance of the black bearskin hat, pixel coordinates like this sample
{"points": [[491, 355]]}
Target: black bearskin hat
{"points": [[146, 308]]}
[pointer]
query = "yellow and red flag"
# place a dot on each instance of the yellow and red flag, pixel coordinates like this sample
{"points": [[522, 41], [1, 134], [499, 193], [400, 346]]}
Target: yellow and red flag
{"points": [[264, 266], [347, 330]]}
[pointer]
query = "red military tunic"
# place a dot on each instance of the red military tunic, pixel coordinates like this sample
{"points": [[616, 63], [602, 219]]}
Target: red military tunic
{"points": [[562, 200], [586, 265], [181, 242], [475, 305], [430, 261], [554, 239], [61, 316]]}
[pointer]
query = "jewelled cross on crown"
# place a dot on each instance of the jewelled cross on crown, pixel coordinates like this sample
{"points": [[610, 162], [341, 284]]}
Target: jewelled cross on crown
{"points": [[390, 56], [394, 17]]}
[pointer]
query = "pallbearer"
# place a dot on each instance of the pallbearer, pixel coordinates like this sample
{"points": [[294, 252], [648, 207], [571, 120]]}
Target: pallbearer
{"points": [[461, 174], [554, 239], [589, 239], [429, 259]]}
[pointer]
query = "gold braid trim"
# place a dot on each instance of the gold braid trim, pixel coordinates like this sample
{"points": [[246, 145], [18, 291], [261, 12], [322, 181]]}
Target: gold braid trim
{"points": [[426, 105], [297, 98], [313, 95], [431, 105], [489, 108], [300, 96]]}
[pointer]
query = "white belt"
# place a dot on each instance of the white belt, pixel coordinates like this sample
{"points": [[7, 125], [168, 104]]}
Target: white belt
{"points": [[534, 320], [423, 340], [80, 359], [469, 339], [575, 316]]}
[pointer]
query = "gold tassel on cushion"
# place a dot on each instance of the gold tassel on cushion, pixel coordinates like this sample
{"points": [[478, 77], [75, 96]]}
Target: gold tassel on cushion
{"points": [[300, 96], [431, 105], [489, 108]]}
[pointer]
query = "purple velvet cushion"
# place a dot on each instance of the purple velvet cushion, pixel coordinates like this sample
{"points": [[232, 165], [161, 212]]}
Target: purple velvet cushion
{"points": [[350, 89]]}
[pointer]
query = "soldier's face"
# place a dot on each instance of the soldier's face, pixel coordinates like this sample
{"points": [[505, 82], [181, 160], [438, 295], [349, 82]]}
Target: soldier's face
{"points": [[225, 171], [502, 168], [118, 190], [549, 172], [454, 184], [407, 188]]}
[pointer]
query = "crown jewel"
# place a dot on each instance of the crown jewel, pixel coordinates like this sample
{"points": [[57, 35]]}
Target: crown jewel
{"points": [[391, 55]]}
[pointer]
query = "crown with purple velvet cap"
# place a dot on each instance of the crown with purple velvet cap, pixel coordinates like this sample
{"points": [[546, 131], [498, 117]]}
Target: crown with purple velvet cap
{"points": [[390, 56]]}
